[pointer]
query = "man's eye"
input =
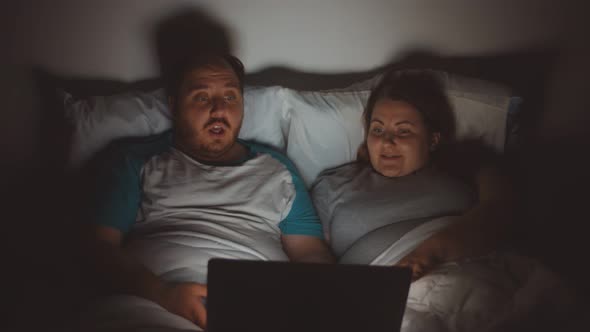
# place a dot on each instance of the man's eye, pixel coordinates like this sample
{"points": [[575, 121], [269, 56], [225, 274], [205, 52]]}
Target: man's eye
{"points": [[201, 98], [230, 98]]}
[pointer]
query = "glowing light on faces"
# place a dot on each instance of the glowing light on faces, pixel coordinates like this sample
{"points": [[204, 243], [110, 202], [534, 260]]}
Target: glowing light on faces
{"points": [[398, 141], [209, 112]]}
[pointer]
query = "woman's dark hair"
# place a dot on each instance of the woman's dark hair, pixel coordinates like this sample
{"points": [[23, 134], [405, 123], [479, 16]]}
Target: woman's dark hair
{"points": [[422, 90], [177, 74]]}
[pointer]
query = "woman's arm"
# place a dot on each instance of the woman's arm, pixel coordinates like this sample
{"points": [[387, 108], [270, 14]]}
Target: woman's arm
{"points": [[475, 233]]}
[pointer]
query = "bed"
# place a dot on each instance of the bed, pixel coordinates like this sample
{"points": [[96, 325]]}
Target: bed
{"points": [[320, 129]]}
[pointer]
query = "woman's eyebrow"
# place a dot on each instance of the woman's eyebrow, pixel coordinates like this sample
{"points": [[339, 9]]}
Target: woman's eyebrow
{"points": [[404, 122], [377, 120]]}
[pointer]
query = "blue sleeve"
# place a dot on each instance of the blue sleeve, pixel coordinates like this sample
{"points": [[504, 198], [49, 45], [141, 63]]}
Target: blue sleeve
{"points": [[302, 218], [117, 196]]}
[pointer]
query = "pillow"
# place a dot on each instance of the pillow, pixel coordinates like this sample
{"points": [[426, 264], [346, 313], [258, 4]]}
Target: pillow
{"points": [[325, 129], [326, 126], [316, 129], [99, 120], [264, 119]]}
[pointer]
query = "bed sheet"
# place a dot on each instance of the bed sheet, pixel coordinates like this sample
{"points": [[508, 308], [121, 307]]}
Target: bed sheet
{"points": [[497, 292]]}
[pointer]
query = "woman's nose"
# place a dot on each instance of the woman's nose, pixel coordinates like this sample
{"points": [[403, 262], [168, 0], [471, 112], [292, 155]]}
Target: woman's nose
{"points": [[389, 139]]}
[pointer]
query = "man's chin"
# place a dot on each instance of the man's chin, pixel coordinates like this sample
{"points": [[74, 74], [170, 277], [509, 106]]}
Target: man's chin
{"points": [[217, 147]]}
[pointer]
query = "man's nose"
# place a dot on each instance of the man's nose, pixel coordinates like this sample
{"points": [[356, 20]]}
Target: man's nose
{"points": [[218, 105]]}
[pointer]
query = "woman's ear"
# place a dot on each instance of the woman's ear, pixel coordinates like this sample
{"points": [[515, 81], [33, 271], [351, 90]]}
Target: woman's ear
{"points": [[434, 141]]}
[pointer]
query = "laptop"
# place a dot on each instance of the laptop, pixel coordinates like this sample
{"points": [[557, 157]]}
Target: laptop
{"points": [[263, 296]]}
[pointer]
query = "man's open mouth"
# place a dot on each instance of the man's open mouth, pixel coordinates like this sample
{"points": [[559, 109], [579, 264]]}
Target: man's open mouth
{"points": [[217, 129]]}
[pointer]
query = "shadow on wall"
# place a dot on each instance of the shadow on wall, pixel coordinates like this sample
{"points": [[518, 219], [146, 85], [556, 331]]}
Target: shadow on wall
{"points": [[185, 33], [176, 37]]}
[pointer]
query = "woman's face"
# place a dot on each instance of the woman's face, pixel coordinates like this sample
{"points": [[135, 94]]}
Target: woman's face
{"points": [[398, 141]]}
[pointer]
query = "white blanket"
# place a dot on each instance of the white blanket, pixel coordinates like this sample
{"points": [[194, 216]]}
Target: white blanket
{"points": [[490, 293], [482, 294]]}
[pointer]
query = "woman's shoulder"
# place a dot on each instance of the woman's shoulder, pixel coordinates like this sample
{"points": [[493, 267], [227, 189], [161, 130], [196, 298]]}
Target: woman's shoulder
{"points": [[345, 171], [338, 176]]}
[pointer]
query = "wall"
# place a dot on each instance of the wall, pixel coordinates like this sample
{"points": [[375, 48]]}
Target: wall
{"points": [[113, 39]]}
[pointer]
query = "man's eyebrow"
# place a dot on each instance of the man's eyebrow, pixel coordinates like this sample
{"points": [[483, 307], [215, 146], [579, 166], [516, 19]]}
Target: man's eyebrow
{"points": [[377, 120], [405, 122], [201, 86], [197, 86]]}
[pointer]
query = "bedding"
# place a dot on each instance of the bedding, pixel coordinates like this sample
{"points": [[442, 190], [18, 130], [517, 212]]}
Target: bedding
{"points": [[497, 293]]}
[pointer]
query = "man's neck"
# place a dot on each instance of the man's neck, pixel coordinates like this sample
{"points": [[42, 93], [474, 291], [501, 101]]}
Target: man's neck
{"points": [[235, 155]]}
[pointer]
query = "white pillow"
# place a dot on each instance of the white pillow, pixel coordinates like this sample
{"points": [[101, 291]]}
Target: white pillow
{"points": [[325, 129], [316, 129], [97, 121], [264, 118], [326, 126]]}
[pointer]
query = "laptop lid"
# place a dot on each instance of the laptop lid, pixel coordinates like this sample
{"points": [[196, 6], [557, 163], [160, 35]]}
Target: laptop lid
{"points": [[281, 296]]}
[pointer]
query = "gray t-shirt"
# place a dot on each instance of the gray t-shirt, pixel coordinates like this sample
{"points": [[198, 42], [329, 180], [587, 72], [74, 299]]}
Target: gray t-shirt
{"points": [[360, 208]]}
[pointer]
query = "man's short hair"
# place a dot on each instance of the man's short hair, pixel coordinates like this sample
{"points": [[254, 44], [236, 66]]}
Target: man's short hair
{"points": [[174, 79]]}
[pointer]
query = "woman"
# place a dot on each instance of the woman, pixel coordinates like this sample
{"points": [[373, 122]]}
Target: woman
{"points": [[416, 198], [409, 173]]}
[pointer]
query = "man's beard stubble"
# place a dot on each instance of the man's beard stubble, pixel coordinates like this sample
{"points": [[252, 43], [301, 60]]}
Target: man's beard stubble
{"points": [[190, 140]]}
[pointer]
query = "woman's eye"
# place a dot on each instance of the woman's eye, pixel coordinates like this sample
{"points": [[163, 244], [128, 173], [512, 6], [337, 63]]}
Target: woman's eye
{"points": [[229, 98], [403, 132], [377, 131]]}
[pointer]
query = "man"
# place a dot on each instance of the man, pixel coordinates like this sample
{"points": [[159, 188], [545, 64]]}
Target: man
{"points": [[181, 198]]}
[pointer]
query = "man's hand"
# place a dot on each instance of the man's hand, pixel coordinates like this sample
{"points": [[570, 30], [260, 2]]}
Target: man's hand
{"points": [[186, 300]]}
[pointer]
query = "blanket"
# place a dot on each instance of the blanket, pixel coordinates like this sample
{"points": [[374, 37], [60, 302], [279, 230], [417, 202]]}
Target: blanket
{"points": [[491, 293]]}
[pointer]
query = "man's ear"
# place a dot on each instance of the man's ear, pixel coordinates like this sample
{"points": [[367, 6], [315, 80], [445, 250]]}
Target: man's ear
{"points": [[434, 141]]}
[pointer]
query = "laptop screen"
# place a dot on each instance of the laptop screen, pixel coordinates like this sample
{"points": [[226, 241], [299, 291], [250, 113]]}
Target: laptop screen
{"points": [[281, 296]]}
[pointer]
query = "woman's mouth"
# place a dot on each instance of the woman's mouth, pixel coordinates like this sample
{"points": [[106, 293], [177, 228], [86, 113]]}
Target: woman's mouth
{"points": [[390, 157]]}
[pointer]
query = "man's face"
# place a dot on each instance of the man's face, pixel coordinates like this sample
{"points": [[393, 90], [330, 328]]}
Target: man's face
{"points": [[208, 111]]}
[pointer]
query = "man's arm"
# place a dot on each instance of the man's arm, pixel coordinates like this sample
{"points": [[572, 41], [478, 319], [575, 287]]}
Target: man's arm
{"points": [[123, 273], [475, 233], [305, 248]]}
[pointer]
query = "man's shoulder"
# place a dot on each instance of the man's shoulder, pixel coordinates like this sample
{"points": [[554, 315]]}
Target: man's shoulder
{"points": [[258, 148], [134, 151]]}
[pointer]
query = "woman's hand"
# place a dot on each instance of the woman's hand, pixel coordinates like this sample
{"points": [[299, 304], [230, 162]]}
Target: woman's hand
{"points": [[424, 258], [186, 300]]}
